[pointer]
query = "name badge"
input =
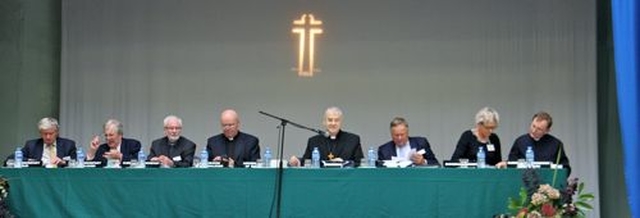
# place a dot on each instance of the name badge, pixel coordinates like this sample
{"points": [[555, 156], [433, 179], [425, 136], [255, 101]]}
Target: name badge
{"points": [[490, 147], [177, 158]]}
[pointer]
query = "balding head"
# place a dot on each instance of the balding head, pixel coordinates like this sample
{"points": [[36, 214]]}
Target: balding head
{"points": [[230, 123]]}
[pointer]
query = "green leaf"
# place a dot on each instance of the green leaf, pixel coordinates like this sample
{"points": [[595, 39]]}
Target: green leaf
{"points": [[580, 187], [586, 197], [523, 196], [514, 205], [581, 214], [584, 206]]}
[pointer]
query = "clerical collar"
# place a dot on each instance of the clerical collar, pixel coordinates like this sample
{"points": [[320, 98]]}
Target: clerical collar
{"points": [[334, 137], [172, 143], [536, 140], [232, 138]]}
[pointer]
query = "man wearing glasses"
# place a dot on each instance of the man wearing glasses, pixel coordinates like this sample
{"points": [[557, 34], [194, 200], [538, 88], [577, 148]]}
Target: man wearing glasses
{"points": [[173, 150], [116, 148]]}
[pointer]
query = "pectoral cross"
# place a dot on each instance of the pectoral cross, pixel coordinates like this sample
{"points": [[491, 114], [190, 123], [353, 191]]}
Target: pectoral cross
{"points": [[307, 27], [330, 156]]}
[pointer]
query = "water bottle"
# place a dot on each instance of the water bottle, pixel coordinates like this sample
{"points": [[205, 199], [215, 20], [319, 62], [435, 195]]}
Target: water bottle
{"points": [[315, 158], [204, 158], [371, 157], [18, 158], [529, 155], [142, 158], [481, 158], [80, 158], [267, 157]]}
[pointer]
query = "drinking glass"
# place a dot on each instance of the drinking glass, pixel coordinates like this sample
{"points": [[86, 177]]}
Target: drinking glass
{"points": [[464, 162], [11, 163], [196, 163]]}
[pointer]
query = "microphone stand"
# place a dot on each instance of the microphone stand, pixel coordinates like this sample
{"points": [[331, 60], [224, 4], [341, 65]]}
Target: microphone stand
{"points": [[283, 123]]}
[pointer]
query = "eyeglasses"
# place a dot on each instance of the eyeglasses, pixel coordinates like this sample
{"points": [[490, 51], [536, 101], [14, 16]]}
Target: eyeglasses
{"points": [[173, 128], [489, 127]]}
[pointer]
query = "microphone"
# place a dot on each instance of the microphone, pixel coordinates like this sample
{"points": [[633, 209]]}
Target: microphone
{"points": [[322, 132]]}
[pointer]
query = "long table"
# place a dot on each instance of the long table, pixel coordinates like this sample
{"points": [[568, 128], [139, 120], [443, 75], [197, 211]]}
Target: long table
{"points": [[223, 192]]}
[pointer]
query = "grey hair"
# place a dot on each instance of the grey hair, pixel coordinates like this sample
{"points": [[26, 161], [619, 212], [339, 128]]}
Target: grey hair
{"points": [[487, 115], [113, 123], [398, 121], [333, 110], [172, 117], [48, 123]]}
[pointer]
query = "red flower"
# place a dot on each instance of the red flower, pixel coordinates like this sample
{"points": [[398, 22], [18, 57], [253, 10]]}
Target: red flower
{"points": [[522, 213], [548, 209]]}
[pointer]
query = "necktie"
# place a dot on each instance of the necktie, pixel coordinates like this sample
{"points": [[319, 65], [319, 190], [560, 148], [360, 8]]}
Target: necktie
{"points": [[52, 152]]}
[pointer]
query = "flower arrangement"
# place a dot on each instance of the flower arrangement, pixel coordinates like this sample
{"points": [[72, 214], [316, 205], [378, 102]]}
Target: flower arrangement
{"points": [[4, 188], [4, 193], [543, 200]]}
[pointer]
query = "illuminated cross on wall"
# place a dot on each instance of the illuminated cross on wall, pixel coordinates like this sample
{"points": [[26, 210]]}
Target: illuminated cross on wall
{"points": [[307, 26]]}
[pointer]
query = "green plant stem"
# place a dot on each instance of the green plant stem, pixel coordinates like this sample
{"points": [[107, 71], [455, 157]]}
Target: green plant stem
{"points": [[555, 170]]}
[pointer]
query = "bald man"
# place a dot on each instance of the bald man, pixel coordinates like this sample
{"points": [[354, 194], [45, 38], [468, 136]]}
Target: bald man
{"points": [[231, 145]]}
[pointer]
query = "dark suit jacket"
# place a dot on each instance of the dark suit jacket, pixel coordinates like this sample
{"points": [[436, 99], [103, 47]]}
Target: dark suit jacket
{"points": [[33, 149], [129, 149], [346, 146], [386, 151], [184, 148], [247, 148]]}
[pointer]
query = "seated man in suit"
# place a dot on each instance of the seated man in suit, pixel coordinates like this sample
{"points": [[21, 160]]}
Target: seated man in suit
{"points": [[173, 150], [403, 147], [52, 150], [232, 146], [115, 148], [545, 146], [337, 145]]}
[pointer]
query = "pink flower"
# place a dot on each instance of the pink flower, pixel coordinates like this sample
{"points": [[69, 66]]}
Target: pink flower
{"points": [[538, 199]]}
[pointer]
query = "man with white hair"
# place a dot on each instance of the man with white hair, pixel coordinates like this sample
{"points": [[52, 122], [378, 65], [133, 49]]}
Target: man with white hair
{"points": [[173, 150], [52, 150], [116, 147], [336, 144]]}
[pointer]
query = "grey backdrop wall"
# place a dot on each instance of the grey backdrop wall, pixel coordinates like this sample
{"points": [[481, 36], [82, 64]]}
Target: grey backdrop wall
{"points": [[29, 67], [433, 62]]}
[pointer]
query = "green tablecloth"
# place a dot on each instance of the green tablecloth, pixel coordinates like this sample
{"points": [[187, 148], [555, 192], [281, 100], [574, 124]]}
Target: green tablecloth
{"points": [[39, 192]]}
